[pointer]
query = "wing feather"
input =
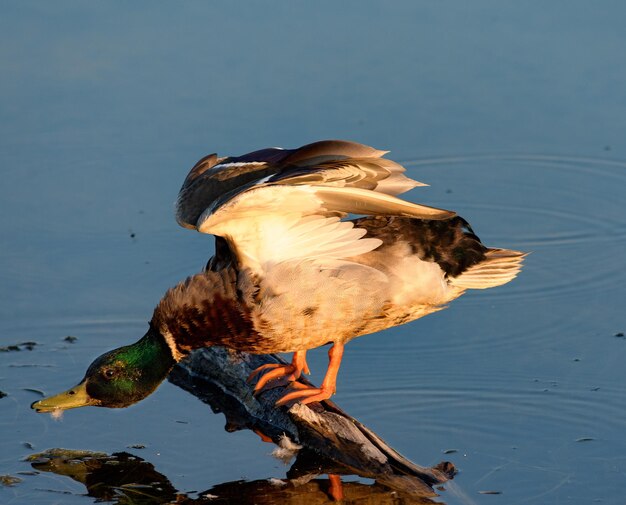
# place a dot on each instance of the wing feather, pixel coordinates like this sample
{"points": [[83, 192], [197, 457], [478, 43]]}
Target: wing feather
{"points": [[277, 205], [273, 223], [499, 267], [328, 162], [375, 174], [372, 203]]}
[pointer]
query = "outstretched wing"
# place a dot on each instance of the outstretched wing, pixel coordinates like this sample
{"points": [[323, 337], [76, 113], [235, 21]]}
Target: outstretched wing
{"points": [[329, 161], [276, 205]]}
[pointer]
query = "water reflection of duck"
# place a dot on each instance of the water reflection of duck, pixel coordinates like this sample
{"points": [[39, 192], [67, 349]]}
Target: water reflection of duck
{"points": [[290, 273], [126, 479]]}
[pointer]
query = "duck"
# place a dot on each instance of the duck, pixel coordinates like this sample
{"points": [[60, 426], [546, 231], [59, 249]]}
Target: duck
{"points": [[313, 247]]}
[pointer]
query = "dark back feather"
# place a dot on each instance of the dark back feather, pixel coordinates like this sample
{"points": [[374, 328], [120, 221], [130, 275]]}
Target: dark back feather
{"points": [[451, 243]]}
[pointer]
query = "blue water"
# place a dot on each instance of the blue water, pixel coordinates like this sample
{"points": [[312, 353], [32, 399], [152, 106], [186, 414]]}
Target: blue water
{"points": [[514, 114]]}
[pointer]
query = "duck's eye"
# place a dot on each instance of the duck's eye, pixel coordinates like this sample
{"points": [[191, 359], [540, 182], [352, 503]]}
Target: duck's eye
{"points": [[108, 373]]}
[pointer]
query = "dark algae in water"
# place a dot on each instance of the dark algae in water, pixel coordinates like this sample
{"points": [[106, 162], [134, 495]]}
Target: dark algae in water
{"points": [[24, 346], [9, 480]]}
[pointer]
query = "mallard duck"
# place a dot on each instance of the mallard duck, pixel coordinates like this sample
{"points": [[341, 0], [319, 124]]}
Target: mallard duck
{"points": [[313, 247]]}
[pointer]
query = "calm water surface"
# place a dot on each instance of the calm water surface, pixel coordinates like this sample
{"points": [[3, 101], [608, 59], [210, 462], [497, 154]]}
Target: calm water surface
{"points": [[514, 114]]}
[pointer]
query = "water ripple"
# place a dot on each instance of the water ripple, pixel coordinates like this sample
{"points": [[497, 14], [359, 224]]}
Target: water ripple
{"points": [[568, 211]]}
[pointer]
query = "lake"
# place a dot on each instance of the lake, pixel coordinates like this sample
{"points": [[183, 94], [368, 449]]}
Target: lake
{"points": [[513, 113]]}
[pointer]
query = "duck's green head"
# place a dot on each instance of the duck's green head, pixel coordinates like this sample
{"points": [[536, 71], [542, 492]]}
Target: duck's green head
{"points": [[118, 378]]}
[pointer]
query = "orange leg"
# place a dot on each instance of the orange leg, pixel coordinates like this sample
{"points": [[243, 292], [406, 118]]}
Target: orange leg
{"points": [[335, 488], [264, 437], [289, 372], [307, 394]]}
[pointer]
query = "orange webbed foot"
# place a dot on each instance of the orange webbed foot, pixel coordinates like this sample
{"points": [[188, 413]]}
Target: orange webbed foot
{"points": [[305, 394], [308, 394], [257, 371], [280, 374]]}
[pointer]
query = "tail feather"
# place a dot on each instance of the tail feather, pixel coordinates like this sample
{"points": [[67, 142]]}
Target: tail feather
{"points": [[499, 267]]}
